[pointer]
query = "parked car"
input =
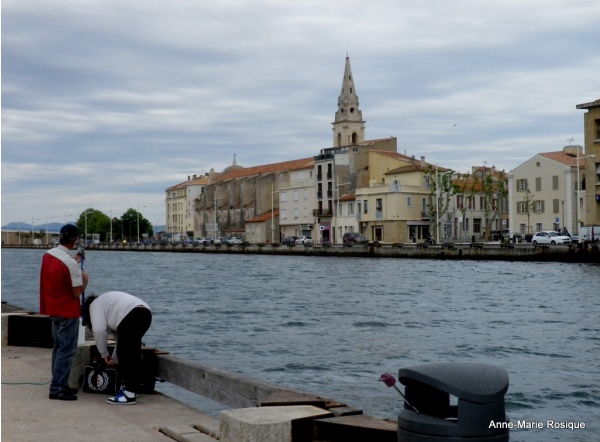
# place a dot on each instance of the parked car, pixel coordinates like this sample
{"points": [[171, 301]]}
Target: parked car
{"points": [[206, 241], [221, 240], [289, 240], [304, 240], [550, 237], [235, 240], [574, 239], [351, 238]]}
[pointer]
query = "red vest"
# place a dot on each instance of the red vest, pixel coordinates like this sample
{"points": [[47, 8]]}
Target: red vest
{"points": [[56, 289]]}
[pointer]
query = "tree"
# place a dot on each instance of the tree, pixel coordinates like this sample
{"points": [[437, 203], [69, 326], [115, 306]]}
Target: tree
{"points": [[94, 222], [528, 206], [129, 225], [440, 192], [494, 191], [465, 187]]}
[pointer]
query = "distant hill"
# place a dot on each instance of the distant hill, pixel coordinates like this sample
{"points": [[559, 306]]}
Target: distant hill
{"points": [[51, 227], [54, 227]]}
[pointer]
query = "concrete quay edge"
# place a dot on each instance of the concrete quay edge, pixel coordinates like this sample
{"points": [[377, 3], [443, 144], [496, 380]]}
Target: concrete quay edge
{"points": [[29, 415]]}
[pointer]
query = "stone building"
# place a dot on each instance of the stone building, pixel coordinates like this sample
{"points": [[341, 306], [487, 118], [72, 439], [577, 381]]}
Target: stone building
{"points": [[590, 189]]}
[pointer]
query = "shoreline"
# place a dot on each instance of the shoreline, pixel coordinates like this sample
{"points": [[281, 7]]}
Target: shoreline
{"points": [[479, 251]]}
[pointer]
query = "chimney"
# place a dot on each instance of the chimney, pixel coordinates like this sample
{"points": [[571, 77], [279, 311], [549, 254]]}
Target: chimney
{"points": [[572, 150], [422, 161]]}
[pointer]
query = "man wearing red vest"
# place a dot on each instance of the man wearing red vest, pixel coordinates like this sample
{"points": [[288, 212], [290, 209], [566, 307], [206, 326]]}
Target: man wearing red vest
{"points": [[62, 281]]}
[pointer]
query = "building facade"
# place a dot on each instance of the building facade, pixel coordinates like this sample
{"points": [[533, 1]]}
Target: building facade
{"points": [[590, 192], [542, 193]]}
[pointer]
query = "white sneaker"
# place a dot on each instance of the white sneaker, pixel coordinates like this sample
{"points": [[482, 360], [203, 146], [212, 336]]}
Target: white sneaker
{"points": [[123, 397]]}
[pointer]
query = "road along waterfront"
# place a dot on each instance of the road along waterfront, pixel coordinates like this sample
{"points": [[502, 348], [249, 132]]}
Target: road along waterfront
{"points": [[332, 326]]}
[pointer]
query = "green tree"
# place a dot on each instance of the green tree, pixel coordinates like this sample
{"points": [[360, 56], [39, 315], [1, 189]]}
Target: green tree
{"points": [[494, 188], [129, 225], [94, 222], [465, 187], [440, 191], [528, 206]]}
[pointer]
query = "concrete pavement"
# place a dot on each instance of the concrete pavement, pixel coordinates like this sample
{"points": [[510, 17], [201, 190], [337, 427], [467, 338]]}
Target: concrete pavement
{"points": [[28, 414]]}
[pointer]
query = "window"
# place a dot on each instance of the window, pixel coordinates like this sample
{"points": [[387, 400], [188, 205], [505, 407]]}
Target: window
{"points": [[538, 227], [538, 206], [482, 202], [427, 183], [555, 182], [460, 201], [283, 197], [283, 214], [555, 206], [476, 225], [409, 201], [295, 213], [521, 207], [597, 129], [378, 204], [295, 195], [522, 229], [538, 184], [350, 209], [365, 206], [305, 193], [521, 185], [358, 207]]}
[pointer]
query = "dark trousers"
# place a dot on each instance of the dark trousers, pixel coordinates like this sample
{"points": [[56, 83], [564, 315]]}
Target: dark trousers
{"points": [[129, 346]]}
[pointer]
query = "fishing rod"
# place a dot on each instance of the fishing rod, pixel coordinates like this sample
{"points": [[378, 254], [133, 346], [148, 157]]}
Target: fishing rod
{"points": [[390, 381], [81, 253]]}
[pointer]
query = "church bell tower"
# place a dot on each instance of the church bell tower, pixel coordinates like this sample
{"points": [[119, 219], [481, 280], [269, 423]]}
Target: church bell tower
{"points": [[349, 126]]}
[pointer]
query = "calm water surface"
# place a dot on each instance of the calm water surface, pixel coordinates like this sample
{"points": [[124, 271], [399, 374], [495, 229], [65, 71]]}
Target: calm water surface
{"points": [[332, 326]]}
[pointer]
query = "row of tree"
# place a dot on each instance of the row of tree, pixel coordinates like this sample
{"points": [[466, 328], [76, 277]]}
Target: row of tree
{"points": [[489, 183], [129, 227]]}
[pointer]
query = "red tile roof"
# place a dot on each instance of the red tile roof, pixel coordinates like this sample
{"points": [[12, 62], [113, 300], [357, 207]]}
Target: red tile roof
{"points": [[563, 158], [305, 163], [264, 217]]}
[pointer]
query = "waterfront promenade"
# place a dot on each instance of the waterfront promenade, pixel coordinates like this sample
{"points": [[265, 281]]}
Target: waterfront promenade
{"points": [[478, 251], [28, 414]]}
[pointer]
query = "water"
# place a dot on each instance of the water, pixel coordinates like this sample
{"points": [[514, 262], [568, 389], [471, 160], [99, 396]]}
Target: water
{"points": [[332, 326]]}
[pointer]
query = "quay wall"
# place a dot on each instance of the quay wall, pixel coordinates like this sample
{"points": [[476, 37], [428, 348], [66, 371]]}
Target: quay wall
{"points": [[579, 253]]}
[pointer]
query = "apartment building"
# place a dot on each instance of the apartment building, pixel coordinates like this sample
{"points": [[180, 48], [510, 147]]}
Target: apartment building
{"points": [[590, 190], [479, 205], [296, 201], [542, 192]]}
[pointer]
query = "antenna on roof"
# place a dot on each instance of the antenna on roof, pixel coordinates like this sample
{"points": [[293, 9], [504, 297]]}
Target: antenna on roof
{"points": [[570, 140]]}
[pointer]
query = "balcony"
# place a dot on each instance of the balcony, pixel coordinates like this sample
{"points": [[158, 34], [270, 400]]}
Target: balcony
{"points": [[322, 212]]}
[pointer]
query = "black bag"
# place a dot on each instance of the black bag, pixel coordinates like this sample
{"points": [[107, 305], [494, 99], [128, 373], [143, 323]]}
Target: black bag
{"points": [[98, 379]]}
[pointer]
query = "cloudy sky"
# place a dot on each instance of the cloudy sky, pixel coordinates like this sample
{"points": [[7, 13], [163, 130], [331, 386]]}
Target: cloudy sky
{"points": [[107, 103]]}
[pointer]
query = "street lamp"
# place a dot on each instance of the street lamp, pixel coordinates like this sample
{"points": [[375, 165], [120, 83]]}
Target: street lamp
{"points": [[111, 224], [33, 220], [437, 201], [579, 185], [85, 218], [273, 192], [138, 222], [339, 206]]}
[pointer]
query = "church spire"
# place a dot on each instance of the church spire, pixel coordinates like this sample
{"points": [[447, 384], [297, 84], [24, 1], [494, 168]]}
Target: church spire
{"points": [[348, 127]]}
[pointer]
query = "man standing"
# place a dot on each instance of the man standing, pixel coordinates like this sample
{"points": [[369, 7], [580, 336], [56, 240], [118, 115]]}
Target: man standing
{"points": [[62, 281]]}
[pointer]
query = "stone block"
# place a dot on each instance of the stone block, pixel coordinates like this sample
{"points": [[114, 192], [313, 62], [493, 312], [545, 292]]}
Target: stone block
{"points": [[270, 424]]}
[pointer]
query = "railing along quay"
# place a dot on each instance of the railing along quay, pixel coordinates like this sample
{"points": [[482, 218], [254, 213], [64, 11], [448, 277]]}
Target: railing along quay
{"points": [[575, 253]]}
